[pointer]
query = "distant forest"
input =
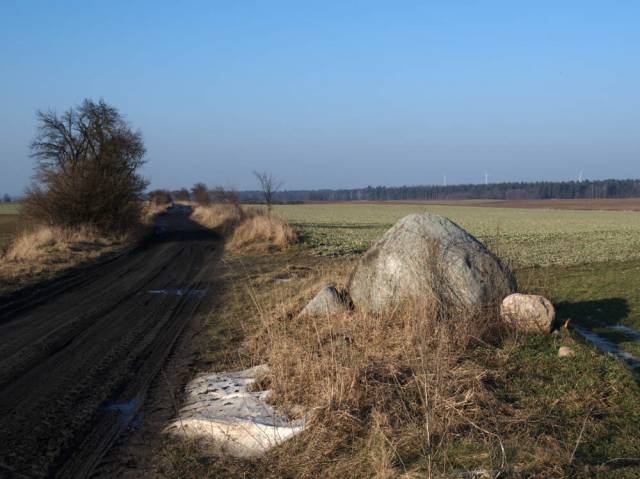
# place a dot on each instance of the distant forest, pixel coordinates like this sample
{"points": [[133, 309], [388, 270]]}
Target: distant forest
{"points": [[495, 191]]}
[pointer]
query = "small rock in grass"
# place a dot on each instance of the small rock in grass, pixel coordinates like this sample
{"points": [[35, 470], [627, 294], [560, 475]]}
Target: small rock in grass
{"points": [[565, 351], [328, 301], [528, 313]]}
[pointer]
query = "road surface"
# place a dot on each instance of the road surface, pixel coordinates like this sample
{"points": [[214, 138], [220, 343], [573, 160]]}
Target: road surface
{"points": [[77, 356]]}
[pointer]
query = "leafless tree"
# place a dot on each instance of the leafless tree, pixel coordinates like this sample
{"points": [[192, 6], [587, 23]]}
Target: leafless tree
{"points": [[87, 164], [160, 197], [228, 197], [200, 194], [181, 195], [269, 186]]}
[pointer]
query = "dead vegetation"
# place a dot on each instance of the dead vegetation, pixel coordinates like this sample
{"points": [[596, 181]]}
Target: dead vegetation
{"points": [[383, 391], [251, 229], [150, 210], [40, 253], [420, 392], [260, 231]]}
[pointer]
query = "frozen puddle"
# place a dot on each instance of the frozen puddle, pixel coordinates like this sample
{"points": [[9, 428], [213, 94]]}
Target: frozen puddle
{"points": [[197, 293], [221, 409], [621, 328], [126, 411], [607, 346]]}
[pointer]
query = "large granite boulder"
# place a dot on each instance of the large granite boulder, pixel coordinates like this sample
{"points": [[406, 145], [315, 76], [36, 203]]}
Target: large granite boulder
{"points": [[425, 257], [528, 313]]}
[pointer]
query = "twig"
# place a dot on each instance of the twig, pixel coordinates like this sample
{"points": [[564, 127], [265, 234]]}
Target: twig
{"points": [[584, 424]]}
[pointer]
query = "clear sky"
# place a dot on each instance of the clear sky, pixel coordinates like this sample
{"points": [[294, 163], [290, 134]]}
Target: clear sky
{"points": [[335, 94]]}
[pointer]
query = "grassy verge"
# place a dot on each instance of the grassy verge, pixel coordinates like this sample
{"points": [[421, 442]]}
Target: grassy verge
{"points": [[601, 297], [31, 253], [247, 229], [514, 405]]}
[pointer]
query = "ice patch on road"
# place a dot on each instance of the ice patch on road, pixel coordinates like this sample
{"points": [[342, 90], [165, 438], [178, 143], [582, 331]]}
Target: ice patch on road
{"points": [[126, 410], [220, 408]]}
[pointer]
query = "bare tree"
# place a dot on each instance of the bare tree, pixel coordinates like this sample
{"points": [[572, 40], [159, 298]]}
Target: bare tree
{"points": [[160, 197], [200, 194], [228, 197], [87, 163], [269, 186], [181, 195]]}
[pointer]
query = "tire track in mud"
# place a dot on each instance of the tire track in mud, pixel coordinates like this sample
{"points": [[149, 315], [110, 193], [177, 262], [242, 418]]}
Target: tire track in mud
{"points": [[74, 371]]}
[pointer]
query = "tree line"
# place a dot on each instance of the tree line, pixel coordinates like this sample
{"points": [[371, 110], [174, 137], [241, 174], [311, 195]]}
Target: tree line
{"points": [[587, 189]]}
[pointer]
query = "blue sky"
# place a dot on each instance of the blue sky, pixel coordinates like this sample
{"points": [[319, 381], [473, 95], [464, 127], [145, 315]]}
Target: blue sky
{"points": [[335, 94]]}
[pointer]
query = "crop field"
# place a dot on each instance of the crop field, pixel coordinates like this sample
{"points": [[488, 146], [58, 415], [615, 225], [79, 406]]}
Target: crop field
{"points": [[587, 262], [9, 222], [522, 237]]}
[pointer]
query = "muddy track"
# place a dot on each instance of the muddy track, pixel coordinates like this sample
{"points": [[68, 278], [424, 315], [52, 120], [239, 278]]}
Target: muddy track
{"points": [[75, 368]]}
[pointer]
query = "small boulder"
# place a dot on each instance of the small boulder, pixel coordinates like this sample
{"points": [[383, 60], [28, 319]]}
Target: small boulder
{"points": [[427, 257], [565, 351], [528, 313], [328, 301]]}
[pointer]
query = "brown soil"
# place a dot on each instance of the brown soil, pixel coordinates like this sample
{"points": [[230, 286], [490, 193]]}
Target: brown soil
{"points": [[611, 204], [79, 354]]}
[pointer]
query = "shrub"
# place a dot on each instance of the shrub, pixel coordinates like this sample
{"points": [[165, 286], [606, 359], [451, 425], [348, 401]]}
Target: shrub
{"points": [[87, 163], [160, 197], [200, 194]]}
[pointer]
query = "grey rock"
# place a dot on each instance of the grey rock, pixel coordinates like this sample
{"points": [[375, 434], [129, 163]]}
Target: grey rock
{"points": [[328, 301], [528, 313], [427, 257]]}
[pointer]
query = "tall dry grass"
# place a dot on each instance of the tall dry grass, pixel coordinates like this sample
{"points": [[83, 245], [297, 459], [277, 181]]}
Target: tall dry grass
{"points": [[380, 390], [150, 210], [247, 228], [45, 241], [262, 230], [39, 254], [222, 217]]}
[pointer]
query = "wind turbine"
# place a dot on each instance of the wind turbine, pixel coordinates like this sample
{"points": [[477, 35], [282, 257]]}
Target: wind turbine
{"points": [[486, 177], [444, 180], [580, 177]]}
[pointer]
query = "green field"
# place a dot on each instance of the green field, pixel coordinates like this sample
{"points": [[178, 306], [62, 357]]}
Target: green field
{"points": [[523, 237], [9, 208], [587, 262], [9, 222]]}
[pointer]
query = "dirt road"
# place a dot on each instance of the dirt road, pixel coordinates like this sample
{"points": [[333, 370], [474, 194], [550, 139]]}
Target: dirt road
{"points": [[77, 357]]}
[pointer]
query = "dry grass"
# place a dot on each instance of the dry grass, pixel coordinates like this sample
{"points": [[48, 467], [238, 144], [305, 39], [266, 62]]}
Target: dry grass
{"points": [[262, 231], [218, 216], [32, 246], [150, 210], [406, 395], [382, 390], [40, 253], [248, 228]]}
